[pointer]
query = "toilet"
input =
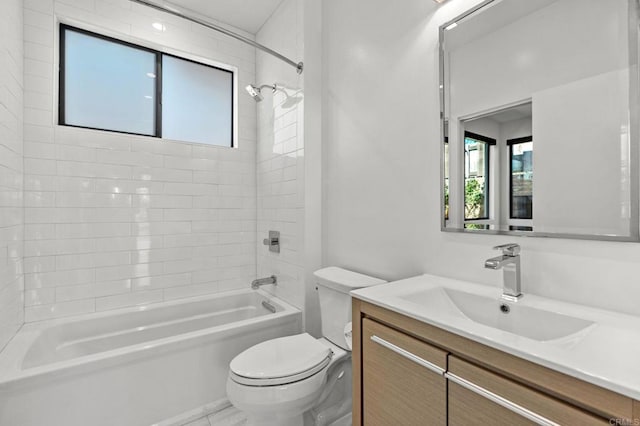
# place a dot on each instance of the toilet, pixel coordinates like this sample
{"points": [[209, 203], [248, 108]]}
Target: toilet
{"points": [[296, 379]]}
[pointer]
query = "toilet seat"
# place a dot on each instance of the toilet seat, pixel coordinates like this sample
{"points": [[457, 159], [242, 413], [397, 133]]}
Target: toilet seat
{"points": [[280, 361]]}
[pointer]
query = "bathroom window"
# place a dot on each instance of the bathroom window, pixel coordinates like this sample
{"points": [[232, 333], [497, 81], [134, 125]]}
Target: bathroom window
{"points": [[108, 84], [476, 175], [521, 178]]}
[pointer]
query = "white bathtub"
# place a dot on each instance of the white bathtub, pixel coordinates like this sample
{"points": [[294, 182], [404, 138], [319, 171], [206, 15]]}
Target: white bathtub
{"points": [[135, 366]]}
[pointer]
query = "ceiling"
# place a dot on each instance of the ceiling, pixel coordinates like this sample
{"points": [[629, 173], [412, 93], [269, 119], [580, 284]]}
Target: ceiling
{"points": [[248, 15], [513, 113]]}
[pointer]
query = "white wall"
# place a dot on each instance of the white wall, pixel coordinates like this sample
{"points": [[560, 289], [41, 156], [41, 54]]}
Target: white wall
{"points": [[382, 174], [280, 153], [519, 59], [11, 182], [314, 158], [581, 171], [115, 220]]}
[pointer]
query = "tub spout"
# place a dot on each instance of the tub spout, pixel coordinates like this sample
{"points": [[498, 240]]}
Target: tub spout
{"points": [[255, 284]]}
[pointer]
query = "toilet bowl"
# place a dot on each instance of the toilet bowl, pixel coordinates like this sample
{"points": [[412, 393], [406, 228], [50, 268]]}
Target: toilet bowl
{"points": [[289, 373], [289, 380]]}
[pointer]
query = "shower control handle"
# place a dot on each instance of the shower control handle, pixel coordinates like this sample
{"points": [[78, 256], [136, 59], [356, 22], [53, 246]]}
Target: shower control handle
{"points": [[273, 241]]}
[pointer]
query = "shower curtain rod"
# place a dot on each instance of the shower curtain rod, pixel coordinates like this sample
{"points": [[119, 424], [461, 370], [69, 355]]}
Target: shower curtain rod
{"points": [[298, 65]]}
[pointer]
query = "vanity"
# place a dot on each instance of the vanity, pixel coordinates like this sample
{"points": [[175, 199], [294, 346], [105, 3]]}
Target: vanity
{"points": [[433, 351]]}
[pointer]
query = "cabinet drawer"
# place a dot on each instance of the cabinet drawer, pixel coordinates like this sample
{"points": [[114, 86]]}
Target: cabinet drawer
{"points": [[403, 378], [479, 397]]}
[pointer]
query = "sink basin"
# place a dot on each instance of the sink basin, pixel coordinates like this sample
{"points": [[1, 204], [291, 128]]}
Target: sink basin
{"points": [[533, 323]]}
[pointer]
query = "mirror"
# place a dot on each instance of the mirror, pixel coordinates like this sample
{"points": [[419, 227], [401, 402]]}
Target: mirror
{"points": [[539, 108]]}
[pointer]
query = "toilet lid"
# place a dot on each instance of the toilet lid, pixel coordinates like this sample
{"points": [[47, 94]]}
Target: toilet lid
{"points": [[279, 360]]}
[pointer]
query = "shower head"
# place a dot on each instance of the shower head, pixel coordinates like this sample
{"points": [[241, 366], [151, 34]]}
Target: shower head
{"points": [[256, 92]]}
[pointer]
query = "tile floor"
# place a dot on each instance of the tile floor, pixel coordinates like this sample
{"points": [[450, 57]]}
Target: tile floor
{"points": [[230, 416]]}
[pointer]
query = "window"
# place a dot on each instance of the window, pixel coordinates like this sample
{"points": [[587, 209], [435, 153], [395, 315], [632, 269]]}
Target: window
{"points": [[108, 84], [446, 170], [476, 175], [521, 178]]}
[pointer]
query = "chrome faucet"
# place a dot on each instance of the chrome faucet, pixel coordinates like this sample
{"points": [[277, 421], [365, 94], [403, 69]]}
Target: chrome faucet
{"points": [[509, 262], [255, 284]]}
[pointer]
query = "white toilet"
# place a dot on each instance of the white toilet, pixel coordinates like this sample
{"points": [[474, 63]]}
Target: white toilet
{"points": [[276, 382]]}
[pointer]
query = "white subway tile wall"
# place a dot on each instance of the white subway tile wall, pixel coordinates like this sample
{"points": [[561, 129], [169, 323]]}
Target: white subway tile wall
{"points": [[280, 153], [11, 180], [114, 220]]}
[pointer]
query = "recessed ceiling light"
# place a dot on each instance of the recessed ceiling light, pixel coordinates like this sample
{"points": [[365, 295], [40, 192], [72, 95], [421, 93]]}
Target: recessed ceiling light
{"points": [[439, 1], [159, 26]]}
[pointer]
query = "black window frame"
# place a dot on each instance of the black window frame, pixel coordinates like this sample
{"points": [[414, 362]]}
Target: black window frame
{"points": [[510, 144], [158, 84], [489, 142]]}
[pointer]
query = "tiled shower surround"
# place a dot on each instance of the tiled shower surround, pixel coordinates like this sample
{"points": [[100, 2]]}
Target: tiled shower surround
{"points": [[113, 220], [280, 153], [11, 145]]}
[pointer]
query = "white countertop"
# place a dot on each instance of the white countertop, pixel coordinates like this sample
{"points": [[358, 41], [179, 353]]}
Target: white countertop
{"points": [[606, 354]]}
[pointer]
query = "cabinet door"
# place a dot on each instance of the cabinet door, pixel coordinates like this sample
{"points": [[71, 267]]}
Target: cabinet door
{"points": [[403, 382], [479, 397]]}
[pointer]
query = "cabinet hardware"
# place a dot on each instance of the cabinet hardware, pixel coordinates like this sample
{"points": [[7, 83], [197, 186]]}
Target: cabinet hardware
{"points": [[402, 352], [503, 402]]}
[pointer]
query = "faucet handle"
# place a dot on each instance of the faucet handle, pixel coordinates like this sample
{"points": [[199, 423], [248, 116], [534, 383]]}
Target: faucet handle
{"points": [[509, 249]]}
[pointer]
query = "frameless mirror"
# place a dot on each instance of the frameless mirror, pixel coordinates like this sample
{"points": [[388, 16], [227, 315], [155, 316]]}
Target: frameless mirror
{"points": [[540, 119]]}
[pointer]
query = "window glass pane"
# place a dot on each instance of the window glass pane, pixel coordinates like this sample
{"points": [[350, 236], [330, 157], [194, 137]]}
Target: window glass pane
{"points": [[446, 181], [476, 179], [108, 85], [196, 102], [522, 180]]}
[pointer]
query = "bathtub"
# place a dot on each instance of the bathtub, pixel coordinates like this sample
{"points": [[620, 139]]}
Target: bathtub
{"points": [[135, 366]]}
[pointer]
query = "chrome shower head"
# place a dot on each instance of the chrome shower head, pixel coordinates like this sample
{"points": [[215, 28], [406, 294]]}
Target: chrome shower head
{"points": [[256, 92]]}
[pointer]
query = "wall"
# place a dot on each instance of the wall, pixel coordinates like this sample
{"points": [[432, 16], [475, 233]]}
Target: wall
{"points": [[314, 157], [11, 182], [115, 220], [518, 59], [582, 185], [280, 153], [382, 171]]}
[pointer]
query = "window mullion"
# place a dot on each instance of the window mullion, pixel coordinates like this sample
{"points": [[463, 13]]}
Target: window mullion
{"points": [[159, 95]]}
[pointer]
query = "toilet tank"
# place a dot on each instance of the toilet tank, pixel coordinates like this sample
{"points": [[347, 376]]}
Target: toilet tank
{"points": [[334, 285]]}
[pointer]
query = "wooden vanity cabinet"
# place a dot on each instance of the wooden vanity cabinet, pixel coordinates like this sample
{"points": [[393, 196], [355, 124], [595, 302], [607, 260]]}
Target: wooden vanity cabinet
{"points": [[402, 378], [483, 397], [406, 372]]}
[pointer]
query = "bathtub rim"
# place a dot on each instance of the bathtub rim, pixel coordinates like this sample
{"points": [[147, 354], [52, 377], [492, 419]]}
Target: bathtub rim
{"points": [[12, 356]]}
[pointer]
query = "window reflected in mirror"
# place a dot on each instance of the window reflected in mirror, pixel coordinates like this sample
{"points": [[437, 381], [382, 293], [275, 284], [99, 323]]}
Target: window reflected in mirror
{"points": [[497, 168], [521, 178], [476, 176]]}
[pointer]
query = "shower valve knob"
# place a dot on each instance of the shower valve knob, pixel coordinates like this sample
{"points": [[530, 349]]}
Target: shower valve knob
{"points": [[273, 241]]}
